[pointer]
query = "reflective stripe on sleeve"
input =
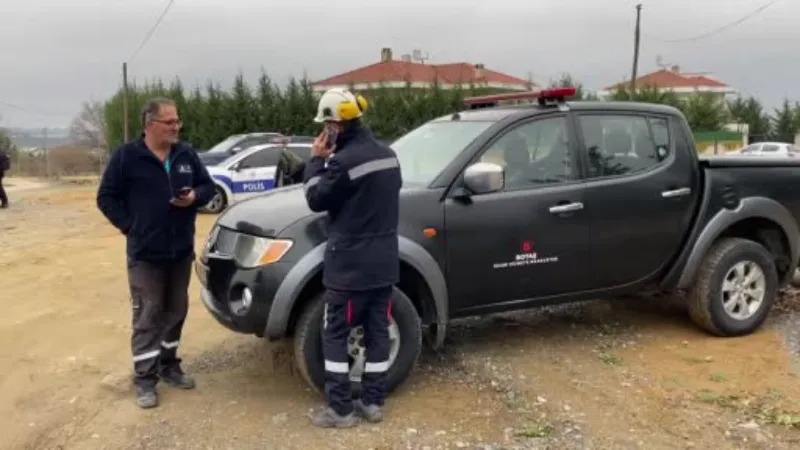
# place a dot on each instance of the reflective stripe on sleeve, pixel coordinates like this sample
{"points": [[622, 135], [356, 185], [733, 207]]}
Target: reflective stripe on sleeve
{"points": [[372, 166], [310, 183]]}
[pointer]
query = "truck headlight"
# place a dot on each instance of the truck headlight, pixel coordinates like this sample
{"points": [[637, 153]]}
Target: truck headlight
{"points": [[254, 251]]}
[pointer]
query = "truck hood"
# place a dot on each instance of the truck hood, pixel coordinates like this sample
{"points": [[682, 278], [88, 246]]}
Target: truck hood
{"points": [[269, 213]]}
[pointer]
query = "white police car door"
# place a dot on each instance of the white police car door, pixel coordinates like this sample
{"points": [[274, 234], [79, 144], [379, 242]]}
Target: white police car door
{"points": [[255, 174]]}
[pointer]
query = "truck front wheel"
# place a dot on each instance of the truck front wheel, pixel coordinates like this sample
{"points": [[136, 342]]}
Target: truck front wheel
{"points": [[734, 289], [405, 344]]}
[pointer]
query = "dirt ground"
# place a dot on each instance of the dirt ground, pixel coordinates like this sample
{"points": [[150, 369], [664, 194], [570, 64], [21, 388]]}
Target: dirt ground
{"points": [[602, 375]]}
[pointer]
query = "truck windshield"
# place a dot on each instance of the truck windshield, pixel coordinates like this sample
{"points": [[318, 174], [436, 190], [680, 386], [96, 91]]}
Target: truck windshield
{"points": [[425, 151]]}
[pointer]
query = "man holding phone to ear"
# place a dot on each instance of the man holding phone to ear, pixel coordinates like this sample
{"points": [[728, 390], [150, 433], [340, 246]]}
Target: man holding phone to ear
{"points": [[356, 179], [150, 191]]}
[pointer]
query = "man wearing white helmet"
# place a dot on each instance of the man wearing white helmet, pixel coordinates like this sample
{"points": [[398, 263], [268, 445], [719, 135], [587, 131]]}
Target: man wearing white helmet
{"points": [[356, 179]]}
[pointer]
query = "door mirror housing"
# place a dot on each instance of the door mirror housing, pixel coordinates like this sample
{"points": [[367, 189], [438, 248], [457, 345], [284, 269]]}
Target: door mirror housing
{"points": [[484, 177]]}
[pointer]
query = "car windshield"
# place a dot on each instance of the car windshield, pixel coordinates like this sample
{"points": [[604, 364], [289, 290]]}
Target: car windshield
{"points": [[425, 151], [225, 145]]}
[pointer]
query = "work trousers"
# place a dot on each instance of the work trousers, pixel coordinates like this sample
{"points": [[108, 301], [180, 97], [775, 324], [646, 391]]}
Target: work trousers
{"points": [[343, 311], [159, 302]]}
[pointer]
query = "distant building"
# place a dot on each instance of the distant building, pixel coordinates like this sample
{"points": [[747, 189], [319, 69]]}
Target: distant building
{"points": [[393, 73], [683, 84]]}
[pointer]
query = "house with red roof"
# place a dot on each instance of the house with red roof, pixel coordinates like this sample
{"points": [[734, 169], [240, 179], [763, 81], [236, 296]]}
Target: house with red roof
{"points": [[683, 84], [396, 73]]}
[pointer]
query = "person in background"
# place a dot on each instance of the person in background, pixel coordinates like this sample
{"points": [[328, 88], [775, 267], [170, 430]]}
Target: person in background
{"points": [[5, 165], [150, 191], [357, 180]]}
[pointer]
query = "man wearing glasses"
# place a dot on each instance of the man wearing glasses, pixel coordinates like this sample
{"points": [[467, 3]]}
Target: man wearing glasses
{"points": [[150, 191]]}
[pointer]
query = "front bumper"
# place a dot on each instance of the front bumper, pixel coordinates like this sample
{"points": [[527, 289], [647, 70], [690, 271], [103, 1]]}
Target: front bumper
{"points": [[223, 283]]}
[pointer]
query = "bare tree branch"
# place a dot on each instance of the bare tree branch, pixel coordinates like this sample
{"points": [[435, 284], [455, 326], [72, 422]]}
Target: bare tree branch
{"points": [[89, 127]]}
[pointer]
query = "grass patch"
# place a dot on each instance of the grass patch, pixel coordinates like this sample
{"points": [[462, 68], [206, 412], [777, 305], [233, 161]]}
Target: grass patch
{"points": [[535, 430], [755, 408], [718, 377], [609, 359]]}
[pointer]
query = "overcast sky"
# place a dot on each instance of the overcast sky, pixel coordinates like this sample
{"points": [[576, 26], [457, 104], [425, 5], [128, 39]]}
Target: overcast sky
{"points": [[54, 54]]}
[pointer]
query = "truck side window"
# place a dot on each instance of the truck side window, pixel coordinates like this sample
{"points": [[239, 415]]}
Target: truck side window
{"points": [[619, 145], [536, 153]]}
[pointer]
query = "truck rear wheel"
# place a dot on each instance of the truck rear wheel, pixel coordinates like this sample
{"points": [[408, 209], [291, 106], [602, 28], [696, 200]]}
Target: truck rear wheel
{"points": [[734, 289], [405, 335], [796, 278]]}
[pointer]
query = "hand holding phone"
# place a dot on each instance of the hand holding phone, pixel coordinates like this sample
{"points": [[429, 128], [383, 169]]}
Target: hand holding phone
{"points": [[184, 197], [321, 144]]}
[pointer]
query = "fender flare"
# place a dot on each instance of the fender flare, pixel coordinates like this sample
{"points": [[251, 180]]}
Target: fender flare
{"points": [[748, 208], [311, 264]]}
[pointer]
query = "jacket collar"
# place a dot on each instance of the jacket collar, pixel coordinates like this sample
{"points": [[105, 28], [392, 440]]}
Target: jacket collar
{"points": [[351, 131]]}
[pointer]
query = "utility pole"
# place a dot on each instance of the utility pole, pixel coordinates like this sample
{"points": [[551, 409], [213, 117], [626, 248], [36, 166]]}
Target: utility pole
{"points": [[46, 146], [125, 100], [636, 47]]}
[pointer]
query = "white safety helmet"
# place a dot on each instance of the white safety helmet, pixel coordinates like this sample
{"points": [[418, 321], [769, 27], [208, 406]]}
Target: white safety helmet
{"points": [[339, 104]]}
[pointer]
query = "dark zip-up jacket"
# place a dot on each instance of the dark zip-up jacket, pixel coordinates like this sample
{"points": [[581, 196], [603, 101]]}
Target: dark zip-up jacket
{"points": [[135, 193], [358, 185]]}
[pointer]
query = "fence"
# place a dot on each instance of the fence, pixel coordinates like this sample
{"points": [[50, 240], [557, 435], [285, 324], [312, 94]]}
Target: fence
{"points": [[58, 162]]}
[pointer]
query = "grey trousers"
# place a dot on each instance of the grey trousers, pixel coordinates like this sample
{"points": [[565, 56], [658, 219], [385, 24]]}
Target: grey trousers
{"points": [[159, 303]]}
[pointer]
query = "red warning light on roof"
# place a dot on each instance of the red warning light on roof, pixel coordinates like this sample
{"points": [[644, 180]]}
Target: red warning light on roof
{"points": [[542, 95]]}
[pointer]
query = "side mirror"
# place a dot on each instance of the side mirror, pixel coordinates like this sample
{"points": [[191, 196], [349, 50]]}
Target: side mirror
{"points": [[484, 177], [233, 150]]}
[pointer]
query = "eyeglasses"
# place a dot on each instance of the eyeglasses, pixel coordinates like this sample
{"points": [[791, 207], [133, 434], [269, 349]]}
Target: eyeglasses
{"points": [[170, 123]]}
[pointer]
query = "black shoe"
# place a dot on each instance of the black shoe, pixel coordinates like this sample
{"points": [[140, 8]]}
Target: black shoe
{"points": [[146, 396], [175, 377]]}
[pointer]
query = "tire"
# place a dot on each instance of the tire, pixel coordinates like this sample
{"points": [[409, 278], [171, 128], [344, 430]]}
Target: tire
{"points": [[308, 344], [218, 203], [796, 278], [706, 298]]}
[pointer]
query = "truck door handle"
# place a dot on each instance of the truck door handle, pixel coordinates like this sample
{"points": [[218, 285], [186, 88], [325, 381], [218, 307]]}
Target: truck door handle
{"points": [[566, 208], [676, 193]]}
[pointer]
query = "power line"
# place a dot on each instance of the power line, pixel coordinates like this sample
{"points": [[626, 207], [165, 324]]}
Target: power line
{"points": [[152, 30], [739, 21]]}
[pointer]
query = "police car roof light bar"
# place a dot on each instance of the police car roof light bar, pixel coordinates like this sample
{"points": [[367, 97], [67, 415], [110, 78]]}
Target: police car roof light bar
{"points": [[542, 95]]}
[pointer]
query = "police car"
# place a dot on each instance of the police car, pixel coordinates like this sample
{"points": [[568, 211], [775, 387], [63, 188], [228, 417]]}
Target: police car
{"points": [[255, 171]]}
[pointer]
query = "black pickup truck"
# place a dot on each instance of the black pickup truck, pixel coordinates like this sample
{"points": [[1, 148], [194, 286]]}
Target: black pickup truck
{"points": [[508, 207]]}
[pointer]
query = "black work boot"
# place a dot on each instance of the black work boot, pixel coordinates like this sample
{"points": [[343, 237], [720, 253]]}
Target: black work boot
{"points": [[146, 396], [328, 418], [175, 377], [372, 413]]}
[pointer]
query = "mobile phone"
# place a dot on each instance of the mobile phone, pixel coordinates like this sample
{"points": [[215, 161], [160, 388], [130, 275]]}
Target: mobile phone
{"points": [[332, 133], [182, 192]]}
